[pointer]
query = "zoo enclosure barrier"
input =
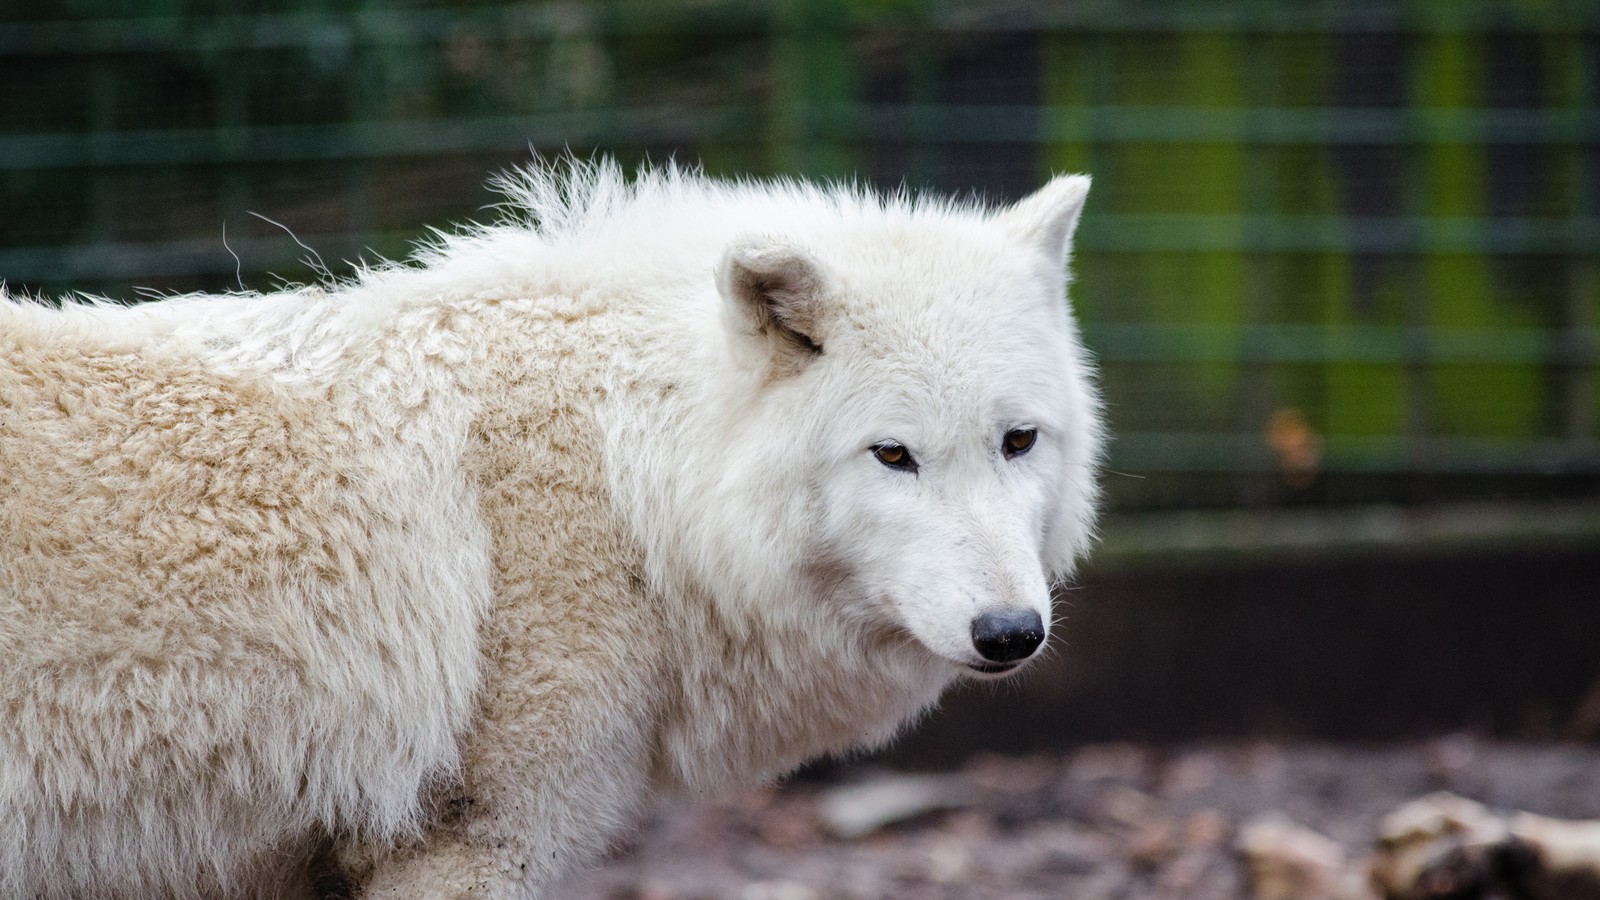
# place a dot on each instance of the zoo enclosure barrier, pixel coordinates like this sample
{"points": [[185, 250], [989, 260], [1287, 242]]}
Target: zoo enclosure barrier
{"points": [[1334, 251]]}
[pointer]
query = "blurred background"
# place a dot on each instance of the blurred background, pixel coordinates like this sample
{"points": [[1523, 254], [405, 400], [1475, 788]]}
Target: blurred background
{"points": [[1341, 268]]}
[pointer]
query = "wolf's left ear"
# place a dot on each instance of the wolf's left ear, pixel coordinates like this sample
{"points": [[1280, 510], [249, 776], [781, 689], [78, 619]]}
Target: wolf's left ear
{"points": [[1046, 218], [774, 293]]}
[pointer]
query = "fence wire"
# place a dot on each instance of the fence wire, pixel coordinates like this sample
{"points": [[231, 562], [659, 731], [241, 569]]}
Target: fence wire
{"points": [[1332, 247]]}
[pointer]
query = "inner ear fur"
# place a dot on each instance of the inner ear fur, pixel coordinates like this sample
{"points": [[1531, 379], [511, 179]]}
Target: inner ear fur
{"points": [[775, 292]]}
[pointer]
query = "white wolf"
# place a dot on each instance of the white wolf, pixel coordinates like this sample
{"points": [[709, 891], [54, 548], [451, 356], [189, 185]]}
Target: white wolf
{"points": [[426, 584]]}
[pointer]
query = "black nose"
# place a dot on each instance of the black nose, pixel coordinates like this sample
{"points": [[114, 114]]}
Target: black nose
{"points": [[1007, 635]]}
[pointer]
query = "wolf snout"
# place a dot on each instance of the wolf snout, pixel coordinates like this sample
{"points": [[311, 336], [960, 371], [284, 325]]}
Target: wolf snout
{"points": [[1007, 635]]}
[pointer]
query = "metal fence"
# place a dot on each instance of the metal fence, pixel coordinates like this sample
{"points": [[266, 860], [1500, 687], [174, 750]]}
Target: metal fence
{"points": [[1335, 250]]}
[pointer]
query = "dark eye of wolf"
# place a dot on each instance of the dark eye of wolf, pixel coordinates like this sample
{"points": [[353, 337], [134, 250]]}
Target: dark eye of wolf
{"points": [[895, 456], [1019, 441]]}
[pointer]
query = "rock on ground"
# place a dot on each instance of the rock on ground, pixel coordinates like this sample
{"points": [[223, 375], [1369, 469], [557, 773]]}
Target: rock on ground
{"points": [[1114, 821]]}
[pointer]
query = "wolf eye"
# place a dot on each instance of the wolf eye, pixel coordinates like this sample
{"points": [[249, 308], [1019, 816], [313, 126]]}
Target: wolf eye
{"points": [[895, 456], [1019, 441]]}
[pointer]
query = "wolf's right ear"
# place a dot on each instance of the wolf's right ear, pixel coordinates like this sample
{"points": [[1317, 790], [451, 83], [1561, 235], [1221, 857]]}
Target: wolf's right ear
{"points": [[1046, 218], [774, 293]]}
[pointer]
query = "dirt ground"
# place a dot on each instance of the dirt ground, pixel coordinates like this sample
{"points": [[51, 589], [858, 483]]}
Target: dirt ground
{"points": [[1101, 822]]}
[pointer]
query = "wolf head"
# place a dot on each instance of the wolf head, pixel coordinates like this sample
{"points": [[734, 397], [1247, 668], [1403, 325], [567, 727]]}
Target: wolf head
{"points": [[923, 414]]}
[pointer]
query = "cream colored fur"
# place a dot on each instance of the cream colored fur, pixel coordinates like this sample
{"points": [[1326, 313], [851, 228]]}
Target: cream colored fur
{"points": [[443, 575]]}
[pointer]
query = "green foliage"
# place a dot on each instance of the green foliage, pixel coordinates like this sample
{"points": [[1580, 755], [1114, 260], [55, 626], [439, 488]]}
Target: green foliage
{"points": [[1378, 220]]}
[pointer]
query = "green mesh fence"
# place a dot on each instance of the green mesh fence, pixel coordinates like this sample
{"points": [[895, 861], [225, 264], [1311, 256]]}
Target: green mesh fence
{"points": [[1334, 250]]}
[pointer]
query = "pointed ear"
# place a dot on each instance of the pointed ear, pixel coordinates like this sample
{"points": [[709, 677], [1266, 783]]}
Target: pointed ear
{"points": [[774, 293], [1046, 218]]}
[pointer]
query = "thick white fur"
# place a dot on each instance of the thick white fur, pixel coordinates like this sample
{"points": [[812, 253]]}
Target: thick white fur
{"points": [[447, 572]]}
